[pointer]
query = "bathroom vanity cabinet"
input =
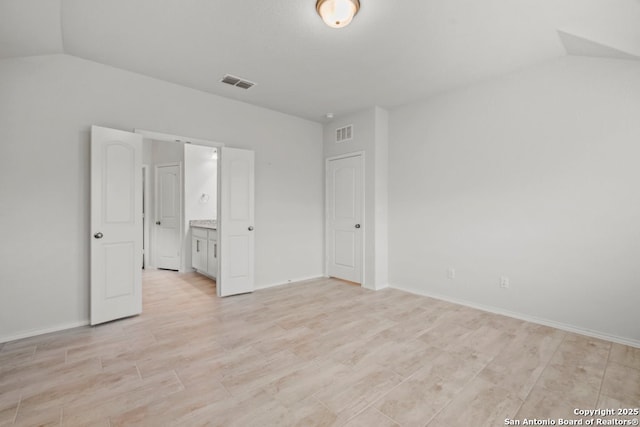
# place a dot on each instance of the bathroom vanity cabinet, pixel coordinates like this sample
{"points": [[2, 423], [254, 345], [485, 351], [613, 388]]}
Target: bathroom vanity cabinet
{"points": [[204, 250]]}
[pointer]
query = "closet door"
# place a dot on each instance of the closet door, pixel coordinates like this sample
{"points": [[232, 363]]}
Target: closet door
{"points": [[344, 218]]}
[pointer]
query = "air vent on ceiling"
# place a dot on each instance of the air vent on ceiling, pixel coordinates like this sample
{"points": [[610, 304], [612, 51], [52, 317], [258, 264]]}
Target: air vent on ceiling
{"points": [[237, 82], [344, 133]]}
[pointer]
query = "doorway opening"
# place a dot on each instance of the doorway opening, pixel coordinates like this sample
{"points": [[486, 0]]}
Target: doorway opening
{"points": [[120, 224], [179, 188]]}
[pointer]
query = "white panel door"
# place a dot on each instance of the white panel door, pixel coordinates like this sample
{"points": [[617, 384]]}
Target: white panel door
{"points": [[235, 222], [116, 224], [168, 213], [344, 218]]}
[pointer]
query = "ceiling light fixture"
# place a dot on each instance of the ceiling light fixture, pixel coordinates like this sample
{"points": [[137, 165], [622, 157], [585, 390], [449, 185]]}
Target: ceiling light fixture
{"points": [[337, 13]]}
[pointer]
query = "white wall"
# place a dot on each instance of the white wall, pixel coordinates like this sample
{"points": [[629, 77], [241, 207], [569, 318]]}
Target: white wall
{"points": [[370, 135], [165, 151], [200, 178], [533, 176], [47, 105], [381, 202]]}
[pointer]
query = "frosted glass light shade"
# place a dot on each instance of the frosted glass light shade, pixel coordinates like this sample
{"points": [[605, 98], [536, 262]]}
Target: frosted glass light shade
{"points": [[337, 13]]}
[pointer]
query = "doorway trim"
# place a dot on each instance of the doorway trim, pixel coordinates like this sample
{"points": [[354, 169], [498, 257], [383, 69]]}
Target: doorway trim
{"points": [[360, 154], [150, 135], [146, 207], [159, 136]]}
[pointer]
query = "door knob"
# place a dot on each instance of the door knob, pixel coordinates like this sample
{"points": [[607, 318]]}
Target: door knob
{"points": [[98, 235], [357, 225], [157, 222], [250, 228]]}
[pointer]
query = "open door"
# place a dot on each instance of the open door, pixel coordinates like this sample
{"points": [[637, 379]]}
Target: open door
{"points": [[116, 224], [236, 222]]}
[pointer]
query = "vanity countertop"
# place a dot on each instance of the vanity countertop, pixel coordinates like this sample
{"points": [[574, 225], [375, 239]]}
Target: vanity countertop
{"points": [[211, 224]]}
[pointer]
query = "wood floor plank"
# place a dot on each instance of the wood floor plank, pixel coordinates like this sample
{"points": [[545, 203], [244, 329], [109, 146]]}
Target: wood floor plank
{"points": [[49, 417], [9, 402], [480, 404], [101, 407], [314, 353]]}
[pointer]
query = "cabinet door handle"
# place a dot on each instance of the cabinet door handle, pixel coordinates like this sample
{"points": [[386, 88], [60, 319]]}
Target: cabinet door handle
{"points": [[215, 250], [197, 245]]}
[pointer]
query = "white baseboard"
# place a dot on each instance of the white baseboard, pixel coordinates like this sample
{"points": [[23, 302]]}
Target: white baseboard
{"points": [[545, 322], [36, 332], [382, 286], [289, 282], [376, 287]]}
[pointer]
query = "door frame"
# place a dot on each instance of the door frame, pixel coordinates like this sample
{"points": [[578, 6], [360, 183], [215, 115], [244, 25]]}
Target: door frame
{"points": [[146, 206], [181, 266], [150, 135], [360, 154]]}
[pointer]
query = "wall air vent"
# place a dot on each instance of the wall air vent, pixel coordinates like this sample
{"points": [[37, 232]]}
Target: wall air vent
{"points": [[344, 134], [237, 82]]}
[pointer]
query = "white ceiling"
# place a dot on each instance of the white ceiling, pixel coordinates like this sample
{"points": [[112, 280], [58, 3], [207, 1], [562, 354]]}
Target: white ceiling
{"points": [[394, 52]]}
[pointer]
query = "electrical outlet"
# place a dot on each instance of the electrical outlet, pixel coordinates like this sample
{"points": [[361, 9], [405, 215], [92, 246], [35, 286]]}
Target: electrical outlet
{"points": [[504, 282], [451, 273]]}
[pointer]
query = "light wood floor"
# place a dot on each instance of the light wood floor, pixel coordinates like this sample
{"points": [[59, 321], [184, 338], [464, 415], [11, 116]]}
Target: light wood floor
{"points": [[313, 353]]}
